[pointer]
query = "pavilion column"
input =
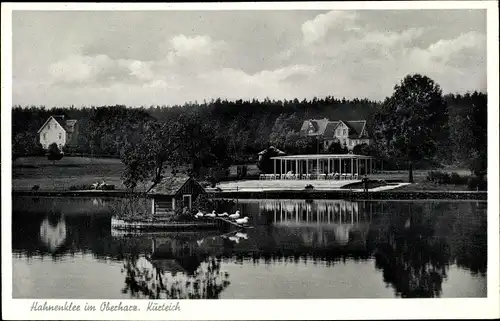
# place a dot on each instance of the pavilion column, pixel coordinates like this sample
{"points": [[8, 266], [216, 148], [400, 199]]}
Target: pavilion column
{"points": [[286, 166], [328, 166], [274, 170], [340, 165], [366, 166], [296, 166], [352, 166], [307, 166]]}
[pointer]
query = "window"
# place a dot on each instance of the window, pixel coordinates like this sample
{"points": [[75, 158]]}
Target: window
{"points": [[44, 136], [186, 200], [48, 126], [345, 132], [60, 136]]}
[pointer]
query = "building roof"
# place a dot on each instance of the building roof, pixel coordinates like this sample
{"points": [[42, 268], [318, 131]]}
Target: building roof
{"points": [[67, 124], [356, 128], [171, 185], [318, 124], [280, 152], [322, 156], [330, 129]]}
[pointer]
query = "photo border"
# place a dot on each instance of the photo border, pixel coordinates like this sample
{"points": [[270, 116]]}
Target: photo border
{"points": [[307, 309]]}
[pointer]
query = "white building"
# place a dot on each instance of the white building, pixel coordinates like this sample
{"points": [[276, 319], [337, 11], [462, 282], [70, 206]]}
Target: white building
{"points": [[349, 133], [58, 130]]}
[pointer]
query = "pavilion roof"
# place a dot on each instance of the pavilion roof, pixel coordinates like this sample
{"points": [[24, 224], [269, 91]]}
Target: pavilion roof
{"points": [[322, 156]]}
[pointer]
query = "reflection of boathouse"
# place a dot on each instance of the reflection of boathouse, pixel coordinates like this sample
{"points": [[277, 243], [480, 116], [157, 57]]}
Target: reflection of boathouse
{"points": [[176, 255]]}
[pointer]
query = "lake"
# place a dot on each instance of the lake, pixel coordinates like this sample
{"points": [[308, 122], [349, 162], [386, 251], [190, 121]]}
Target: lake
{"points": [[65, 248]]}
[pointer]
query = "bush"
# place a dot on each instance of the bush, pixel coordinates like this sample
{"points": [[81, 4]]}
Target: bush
{"points": [[54, 153], [477, 184], [440, 178], [79, 187], [457, 179], [86, 187]]}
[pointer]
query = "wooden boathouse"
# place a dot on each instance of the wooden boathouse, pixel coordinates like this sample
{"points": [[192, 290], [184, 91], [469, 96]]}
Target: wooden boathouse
{"points": [[173, 193]]}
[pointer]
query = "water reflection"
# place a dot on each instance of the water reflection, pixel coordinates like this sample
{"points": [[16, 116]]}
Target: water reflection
{"points": [[411, 246], [53, 232], [322, 222]]}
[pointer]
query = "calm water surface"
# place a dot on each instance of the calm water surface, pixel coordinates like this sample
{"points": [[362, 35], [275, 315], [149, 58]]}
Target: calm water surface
{"points": [[65, 248]]}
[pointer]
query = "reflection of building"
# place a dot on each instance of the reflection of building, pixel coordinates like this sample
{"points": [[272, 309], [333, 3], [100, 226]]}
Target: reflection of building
{"points": [[53, 236], [322, 221]]}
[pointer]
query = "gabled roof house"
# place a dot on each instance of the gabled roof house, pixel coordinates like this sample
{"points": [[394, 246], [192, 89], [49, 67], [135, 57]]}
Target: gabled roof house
{"points": [[350, 133], [57, 129]]}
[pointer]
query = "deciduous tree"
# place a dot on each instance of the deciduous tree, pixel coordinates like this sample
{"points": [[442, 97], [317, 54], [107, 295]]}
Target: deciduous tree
{"points": [[411, 122]]}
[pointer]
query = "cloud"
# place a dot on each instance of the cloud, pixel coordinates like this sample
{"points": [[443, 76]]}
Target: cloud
{"points": [[193, 46], [236, 84], [77, 70], [316, 29], [141, 59]]}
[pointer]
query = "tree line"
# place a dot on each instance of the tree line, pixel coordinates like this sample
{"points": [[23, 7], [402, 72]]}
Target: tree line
{"points": [[417, 122]]}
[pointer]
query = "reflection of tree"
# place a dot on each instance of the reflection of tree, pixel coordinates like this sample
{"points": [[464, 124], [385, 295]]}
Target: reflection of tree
{"points": [[412, 258], [145, 278], [468, 239]]}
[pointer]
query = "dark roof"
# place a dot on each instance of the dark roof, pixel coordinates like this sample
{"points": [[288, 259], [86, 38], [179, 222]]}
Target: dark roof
{"points": [[319, 125], [330, 129], [60, 119], [172, 184], [356, 128]]}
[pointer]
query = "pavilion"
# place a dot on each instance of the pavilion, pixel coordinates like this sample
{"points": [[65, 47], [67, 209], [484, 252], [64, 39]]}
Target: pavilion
{"points": [[322, 166]]}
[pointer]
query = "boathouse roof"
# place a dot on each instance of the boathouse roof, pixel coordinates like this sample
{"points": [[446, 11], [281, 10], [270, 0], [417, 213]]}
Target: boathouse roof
{"points": [[174, 185]]}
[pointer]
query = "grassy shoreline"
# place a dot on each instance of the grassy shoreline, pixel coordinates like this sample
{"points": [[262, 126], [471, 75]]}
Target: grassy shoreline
{"points": [[58, 177]]}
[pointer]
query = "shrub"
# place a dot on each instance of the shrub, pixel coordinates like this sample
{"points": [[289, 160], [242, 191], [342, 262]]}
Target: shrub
{"points": [[477, 184], [440, 178], [86, 187], [54, 153], [79, 187], [457, 179]]}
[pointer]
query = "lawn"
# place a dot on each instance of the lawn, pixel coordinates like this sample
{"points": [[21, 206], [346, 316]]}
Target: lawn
{"points": [[60, 175], [70, 171]]}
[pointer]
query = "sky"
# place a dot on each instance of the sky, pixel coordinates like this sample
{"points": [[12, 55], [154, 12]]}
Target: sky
{"points": [[143, 58]]}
